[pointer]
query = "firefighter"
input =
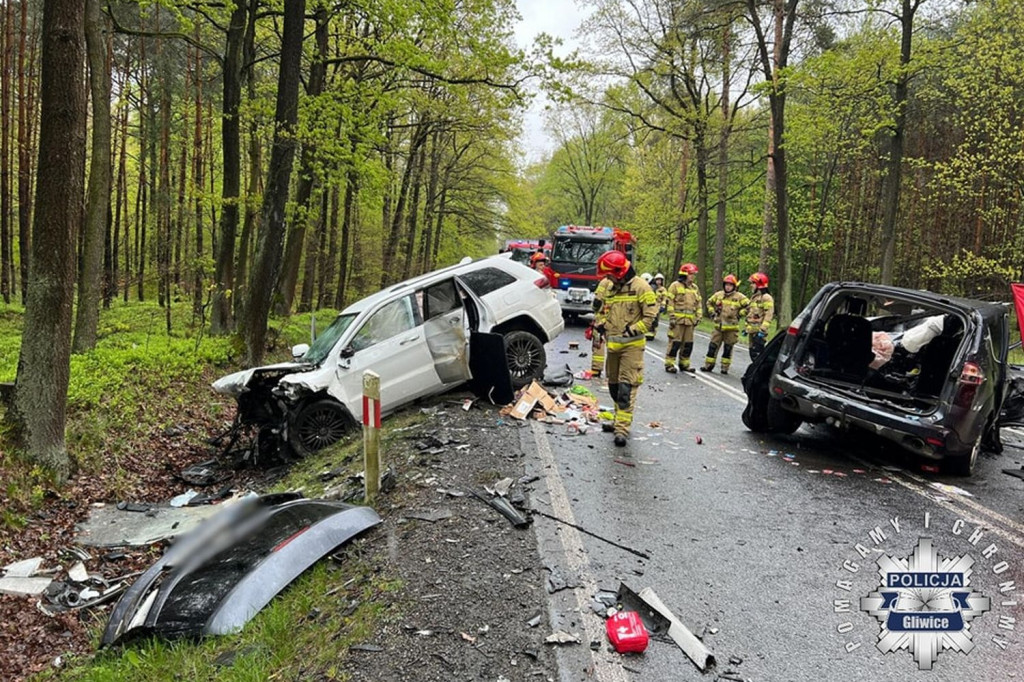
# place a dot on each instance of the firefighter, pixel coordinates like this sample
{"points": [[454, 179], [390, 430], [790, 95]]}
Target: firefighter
{"points": [[623, 317], [647, 277], [661, 293], [685, 309], [539, 261], [759, 314], [597, 340], [726, 307]]}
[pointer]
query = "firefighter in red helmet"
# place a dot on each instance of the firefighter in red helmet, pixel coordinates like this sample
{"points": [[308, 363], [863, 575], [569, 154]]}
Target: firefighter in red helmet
{"points": [[759, 314], [726, 308], [684, 306], [623, 317]]}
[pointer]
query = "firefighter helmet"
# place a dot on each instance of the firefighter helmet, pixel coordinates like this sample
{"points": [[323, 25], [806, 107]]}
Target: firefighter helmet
{"points": [[759, 280], [613, 263], [730, 279], [659, 276], [537, 257], [687, 269], [647, 277]]}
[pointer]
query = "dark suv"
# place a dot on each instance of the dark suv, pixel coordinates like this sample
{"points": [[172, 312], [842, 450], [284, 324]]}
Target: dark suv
{"points": [[923, 370]]}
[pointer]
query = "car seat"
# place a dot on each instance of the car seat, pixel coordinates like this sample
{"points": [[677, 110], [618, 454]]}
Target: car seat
{"points": [[849, 345]]}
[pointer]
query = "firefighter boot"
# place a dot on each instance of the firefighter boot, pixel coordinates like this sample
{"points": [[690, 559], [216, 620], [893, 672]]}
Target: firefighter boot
{"points": [[685, 360], [726, 358], [709, 359], [670, 359]]}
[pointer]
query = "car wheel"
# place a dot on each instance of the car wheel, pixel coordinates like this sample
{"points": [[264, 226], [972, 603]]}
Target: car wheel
{"points": [[318, 424], [781, 420], [964, 465], [525, 356]]}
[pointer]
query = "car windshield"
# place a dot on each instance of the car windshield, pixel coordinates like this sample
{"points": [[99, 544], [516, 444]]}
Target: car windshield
{"points": [[522, 255], [579, 252], [325, 342]]}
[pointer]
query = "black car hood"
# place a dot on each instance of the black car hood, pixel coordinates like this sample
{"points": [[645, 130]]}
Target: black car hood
{"points": [[216, 578]]}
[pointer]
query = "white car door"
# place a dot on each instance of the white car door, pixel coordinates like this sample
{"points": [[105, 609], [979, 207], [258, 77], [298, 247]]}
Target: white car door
{"points": [[390, 342], [446, 334]]}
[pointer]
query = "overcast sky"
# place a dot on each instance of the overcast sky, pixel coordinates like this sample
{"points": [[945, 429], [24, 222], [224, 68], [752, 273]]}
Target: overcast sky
{"points": [[558, 18]]}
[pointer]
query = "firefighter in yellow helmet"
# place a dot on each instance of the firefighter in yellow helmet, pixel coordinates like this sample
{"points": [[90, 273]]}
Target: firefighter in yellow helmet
{"points": [[726, 308], [596, 338], [759, 314], [623, 317], [684, 305], [661, 293]]}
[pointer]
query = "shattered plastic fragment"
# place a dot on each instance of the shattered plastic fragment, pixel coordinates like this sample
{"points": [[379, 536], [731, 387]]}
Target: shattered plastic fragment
{"points": [[561, 637]]}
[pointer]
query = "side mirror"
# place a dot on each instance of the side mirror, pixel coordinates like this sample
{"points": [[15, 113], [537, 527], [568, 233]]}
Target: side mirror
{"points": [[347, 352], [299, 350]]}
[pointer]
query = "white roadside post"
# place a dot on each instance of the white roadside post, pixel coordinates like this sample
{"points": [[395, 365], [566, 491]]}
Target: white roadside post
{"points": [[371, 434]]}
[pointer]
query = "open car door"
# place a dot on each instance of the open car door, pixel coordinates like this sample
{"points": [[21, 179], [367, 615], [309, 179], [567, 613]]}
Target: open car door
{"points": [[489, 377]]}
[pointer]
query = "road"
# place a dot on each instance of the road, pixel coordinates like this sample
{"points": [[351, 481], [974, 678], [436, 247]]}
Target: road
{"points": [[748, 535]]}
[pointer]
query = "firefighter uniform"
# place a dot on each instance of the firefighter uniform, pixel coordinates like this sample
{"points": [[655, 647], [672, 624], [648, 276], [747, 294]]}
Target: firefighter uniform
{"points": [[627, 313], [684, 310], [661, 294], [759, 318], [597, 341], [727, 310]]}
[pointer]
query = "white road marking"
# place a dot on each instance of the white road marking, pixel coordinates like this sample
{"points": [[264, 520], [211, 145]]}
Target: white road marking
{"points": [[606, 669]]}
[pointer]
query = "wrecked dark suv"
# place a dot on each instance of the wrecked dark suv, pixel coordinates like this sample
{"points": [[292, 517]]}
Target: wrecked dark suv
{"points": [[923, 370]]}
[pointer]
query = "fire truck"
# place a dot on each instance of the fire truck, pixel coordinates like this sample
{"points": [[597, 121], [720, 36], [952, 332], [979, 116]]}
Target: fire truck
{"points": [[574, 257]]}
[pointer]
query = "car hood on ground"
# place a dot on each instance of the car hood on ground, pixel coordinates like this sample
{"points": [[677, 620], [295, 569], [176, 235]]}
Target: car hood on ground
{"points": [[237, 383], [217, 577]]}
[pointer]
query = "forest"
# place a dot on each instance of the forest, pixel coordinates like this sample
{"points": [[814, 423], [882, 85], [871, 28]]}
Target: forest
{"points": [[260, 158]]}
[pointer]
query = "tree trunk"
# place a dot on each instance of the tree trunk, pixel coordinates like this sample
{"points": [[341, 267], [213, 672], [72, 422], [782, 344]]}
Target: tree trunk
{"points": [[701, 149], [6, 236], [272, 228], [784, 309], [120, 207], [347, 228], [90, 280], [779, 12], [395, 233], [325, 268], [315, 254], [199, 277], [894, 165], [684, 173], [297, 235], [224, 274], [414, 212], [44, 363], [723, 159]]}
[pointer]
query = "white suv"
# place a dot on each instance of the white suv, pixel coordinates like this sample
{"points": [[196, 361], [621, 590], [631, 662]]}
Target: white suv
{"points": [[422, 336]]}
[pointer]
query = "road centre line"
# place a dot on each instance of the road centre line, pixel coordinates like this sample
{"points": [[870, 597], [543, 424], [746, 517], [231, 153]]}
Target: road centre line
{"points": [[605, 669], [925, 492]]}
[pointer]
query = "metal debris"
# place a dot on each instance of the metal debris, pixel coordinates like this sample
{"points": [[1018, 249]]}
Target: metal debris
{"points": [[561, 637]]}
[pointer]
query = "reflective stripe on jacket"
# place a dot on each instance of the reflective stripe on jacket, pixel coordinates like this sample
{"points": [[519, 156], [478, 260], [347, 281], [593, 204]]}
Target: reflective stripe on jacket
{"points": [[684, 303], [727, 309], [630, 304], [760, 313]]}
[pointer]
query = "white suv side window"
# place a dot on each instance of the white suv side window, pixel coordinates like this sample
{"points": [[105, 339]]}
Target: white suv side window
{"points": [[394, 318]]}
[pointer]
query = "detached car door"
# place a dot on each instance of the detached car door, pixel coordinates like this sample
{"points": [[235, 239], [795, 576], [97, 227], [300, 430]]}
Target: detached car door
{"points": [[446, 333], [390, 342]]}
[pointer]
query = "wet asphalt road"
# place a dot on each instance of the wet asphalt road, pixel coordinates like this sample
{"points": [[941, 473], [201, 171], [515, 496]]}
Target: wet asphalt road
{"points": [[748, 535]]}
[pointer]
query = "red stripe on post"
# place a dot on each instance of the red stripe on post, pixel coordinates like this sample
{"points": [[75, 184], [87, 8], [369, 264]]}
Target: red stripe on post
{"points": [[376, 413], [366, 410]]}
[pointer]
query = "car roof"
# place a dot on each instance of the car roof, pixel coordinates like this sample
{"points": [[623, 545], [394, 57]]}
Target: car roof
{"points": [[990, 310], [411, 284]]}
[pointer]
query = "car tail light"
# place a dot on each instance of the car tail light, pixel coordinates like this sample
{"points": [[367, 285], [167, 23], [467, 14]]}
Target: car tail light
{"points": [[794, 326], [971, 374], [542, 283], [937, 442], [971, 377]]}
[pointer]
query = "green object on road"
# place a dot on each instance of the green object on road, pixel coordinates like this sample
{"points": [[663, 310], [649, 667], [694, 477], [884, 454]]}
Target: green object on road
{"points": [[582, 390]]}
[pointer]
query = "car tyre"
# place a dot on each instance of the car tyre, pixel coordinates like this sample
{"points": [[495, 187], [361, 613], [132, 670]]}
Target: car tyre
{"points": [[318, 424], [781, 420], [525, 356], [965, 464]]}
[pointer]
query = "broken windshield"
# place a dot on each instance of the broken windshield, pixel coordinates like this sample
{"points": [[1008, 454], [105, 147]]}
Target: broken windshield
{"points": [[325, 342]]}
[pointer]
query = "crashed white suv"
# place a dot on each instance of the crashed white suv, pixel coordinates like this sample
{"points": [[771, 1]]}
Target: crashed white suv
{"points": [[422, 336]]}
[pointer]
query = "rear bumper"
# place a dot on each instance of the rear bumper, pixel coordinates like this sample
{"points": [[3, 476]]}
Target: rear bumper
{"points": [[925, 435]]}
